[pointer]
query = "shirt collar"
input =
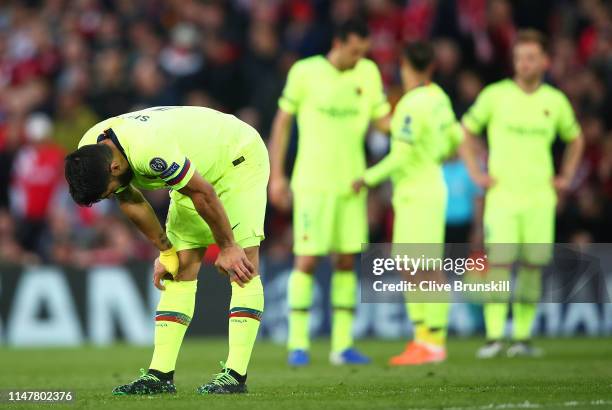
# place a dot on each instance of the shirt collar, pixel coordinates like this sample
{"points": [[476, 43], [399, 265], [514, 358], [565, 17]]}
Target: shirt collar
{"points": [[110, 134]]}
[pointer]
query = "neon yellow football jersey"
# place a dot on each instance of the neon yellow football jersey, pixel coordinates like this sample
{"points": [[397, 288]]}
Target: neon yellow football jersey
{"points": [[521, 129], [333, 109], [424, 132], [166, 145]]}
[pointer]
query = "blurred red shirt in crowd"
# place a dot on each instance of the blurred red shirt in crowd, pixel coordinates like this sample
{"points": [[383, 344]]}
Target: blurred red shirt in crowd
{"points": [[37, 170]]}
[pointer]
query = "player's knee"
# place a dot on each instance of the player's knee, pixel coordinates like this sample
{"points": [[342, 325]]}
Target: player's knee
{"points": [[344, 262], [306, 264], [188, 272]]}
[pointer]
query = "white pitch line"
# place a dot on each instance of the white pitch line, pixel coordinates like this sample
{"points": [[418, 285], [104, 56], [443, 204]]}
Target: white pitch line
{"points": [[527, 405]]}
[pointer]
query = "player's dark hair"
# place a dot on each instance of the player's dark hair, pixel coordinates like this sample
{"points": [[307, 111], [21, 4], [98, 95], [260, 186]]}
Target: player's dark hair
{"points": [[420, 55], [87, 171], [531, 35], [352, 26]]}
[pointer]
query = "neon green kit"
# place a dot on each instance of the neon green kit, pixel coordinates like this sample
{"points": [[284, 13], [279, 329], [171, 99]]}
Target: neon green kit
{"points": [[521, 128], [166, 145], [334, 109], [424, 132]]}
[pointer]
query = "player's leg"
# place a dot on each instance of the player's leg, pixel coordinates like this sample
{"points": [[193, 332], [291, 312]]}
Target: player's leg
{"points": [[243, 193], [436, 311], [343, 288], [299, 296], [312, 218], [174, 312], [350, 232], [415, 309], [246, 310], [436, 320], [419, 224], [502, 236], [538, 225]]}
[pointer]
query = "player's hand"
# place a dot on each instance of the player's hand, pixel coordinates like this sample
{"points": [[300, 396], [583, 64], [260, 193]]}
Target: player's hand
{"points": [[483, 180], [358, 185], [280, 196], [169, 259], [233, 261], [561, 184], [160, 273]]}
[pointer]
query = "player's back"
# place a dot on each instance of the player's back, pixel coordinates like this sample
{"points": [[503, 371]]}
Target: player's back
{"points": [[211, 140], [424, 119]]}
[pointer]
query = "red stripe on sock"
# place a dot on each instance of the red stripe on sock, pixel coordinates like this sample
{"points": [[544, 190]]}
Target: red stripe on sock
{"points": [[169, 319], [245, 314]]}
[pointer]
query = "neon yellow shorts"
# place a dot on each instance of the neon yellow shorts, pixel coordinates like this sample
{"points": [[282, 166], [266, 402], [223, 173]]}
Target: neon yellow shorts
{"points": [[522, 232], [420, 220], [243, 193], [325, 223]]}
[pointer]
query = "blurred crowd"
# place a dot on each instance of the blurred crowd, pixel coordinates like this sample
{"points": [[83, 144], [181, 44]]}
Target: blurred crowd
{"points": [[66, 64]]}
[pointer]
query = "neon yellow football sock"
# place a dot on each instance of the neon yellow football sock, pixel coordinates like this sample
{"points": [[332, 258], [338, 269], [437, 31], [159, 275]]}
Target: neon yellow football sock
{"points": [[172, 318], [300, 290], [495, 316], [436, 320], [343, 295], [523, 315], [416, 314], [528, 292], [496, 310], [246, 308]]}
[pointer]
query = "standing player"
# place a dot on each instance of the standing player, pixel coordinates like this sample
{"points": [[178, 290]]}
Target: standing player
{"points": [[424, 131], [217, 169], [335, 97], [522, 116]]}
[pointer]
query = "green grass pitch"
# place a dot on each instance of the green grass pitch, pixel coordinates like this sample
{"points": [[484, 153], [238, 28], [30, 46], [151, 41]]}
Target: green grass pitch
{"points": [[575, 373]]}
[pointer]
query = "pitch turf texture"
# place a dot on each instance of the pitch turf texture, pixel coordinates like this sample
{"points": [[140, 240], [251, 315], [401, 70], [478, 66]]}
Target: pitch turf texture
{"points": [[575, 373]]}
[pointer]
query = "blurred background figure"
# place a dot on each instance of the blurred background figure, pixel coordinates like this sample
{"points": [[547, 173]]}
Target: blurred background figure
{"points": [[36, 178]]}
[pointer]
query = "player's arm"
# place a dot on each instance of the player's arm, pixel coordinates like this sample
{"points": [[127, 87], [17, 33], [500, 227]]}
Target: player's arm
{"points": [[380, 107], [454, 138], [571, 160], [469, 153], [279, 140], [288, 106], [232, 259], [405, 127], [134, 205], [384, 169], [569, 131], [474, 122]]}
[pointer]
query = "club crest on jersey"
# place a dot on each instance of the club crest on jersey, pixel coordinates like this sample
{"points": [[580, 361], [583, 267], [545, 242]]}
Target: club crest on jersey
{"points": [[158, 165]]}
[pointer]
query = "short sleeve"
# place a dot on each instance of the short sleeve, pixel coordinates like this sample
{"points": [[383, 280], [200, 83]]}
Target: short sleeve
{"points": [[160, 156], [293, 93], [479, 114], [171, 165], [567, 125], [380, 104]]}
